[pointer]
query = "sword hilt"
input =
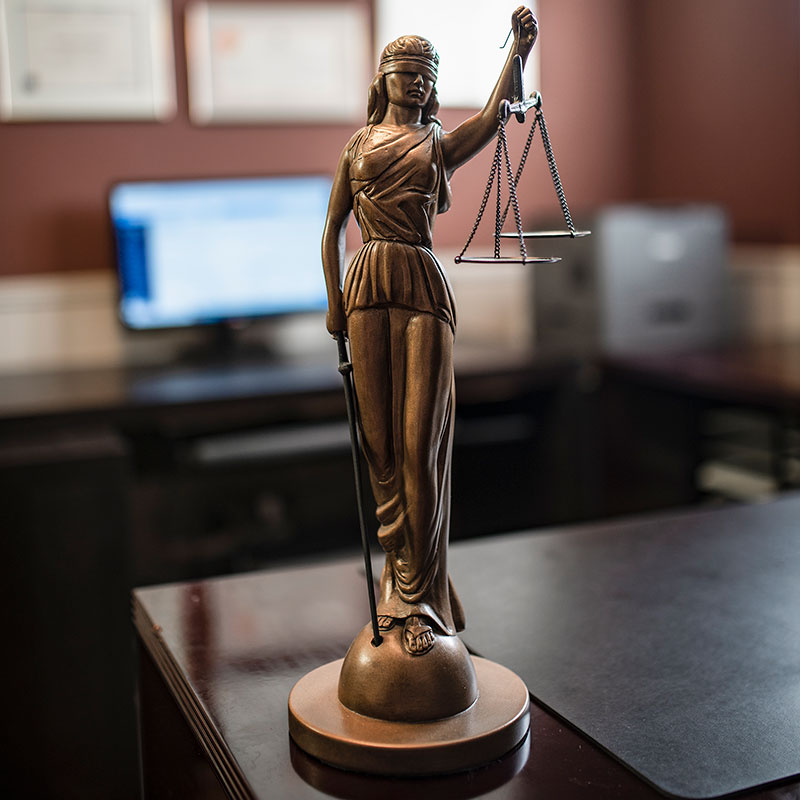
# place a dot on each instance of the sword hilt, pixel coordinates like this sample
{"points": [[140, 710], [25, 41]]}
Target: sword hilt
{"points": [[344, 358]]}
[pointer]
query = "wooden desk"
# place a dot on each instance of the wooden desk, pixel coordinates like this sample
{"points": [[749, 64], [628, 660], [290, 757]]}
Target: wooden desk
{"points": [[667, 415], [215, 725], [220, 657], [217, 453], [765, 375]]}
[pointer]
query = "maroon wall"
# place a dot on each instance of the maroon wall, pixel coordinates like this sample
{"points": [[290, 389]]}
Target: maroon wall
{"points": [[613, 72], [55, 176], [718, 100]]}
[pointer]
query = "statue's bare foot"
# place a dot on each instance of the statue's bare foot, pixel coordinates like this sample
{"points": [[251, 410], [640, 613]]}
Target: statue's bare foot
{"points": [[418, 637], [385, 623]]}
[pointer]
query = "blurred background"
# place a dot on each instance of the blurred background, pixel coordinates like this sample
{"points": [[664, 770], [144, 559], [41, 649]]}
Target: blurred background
{"points": [[656, 366]]}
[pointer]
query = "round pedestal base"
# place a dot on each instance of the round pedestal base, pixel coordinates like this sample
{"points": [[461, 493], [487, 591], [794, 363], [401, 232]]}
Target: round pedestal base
{"points": [[327, 730]]}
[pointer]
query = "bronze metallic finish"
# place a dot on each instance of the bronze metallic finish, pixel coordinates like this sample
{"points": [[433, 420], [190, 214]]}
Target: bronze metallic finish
{"points": [[456, 786], [491, 727], [396, 308], [388, 683], [406, 699]]}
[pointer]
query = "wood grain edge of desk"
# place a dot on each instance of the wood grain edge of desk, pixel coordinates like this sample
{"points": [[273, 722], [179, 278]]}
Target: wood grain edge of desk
{"points": [[203, 727]]}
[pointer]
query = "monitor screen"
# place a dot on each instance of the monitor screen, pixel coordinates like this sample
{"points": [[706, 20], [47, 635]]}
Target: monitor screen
{"points": [[197, 252]]}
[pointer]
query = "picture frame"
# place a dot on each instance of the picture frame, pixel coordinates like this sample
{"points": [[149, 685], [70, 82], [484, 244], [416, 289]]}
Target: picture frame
{"points": [[86, 60], [277, 62]]}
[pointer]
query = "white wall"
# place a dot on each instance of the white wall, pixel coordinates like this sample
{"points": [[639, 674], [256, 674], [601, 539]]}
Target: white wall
{"points": [[68, 320]]}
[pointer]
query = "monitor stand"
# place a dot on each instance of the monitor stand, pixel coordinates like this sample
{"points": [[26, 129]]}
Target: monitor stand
{"points": [[225, 345]]}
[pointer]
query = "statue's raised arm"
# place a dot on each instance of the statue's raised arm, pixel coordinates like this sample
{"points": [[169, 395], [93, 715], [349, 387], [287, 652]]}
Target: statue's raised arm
{"points": [[472, 135]]}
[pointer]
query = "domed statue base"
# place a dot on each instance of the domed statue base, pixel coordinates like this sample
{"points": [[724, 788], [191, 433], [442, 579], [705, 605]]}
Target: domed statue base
{"points": [[493, 722], [389, 683]]}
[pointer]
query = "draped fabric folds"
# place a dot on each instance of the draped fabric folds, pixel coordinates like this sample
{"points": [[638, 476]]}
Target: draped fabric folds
{"points": [[401, 323]]}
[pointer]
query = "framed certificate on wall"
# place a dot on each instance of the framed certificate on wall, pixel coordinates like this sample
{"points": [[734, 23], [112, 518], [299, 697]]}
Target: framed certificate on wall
{"points": [[86, 59], [277, 62]]}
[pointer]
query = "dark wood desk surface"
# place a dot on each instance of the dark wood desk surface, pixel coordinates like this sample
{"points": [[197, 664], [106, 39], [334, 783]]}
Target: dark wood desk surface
{"points": [[229, 650], [208, 640], [758, 374]]}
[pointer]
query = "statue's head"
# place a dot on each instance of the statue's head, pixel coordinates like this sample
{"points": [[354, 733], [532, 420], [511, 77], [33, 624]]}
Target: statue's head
{"points": [[406, 54]]}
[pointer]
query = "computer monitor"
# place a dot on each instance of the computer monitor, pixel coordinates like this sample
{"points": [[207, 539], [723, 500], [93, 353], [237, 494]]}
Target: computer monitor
{"points": [[199, 252]]}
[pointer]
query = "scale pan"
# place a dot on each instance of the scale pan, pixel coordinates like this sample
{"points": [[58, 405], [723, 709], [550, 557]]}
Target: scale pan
{"points": [[504, 260], [545, 235]]}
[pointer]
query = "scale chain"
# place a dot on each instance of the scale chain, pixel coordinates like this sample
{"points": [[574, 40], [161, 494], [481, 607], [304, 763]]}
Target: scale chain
{"points": [[502, 159], [551, 163], [512, 192], [521, 166], [498, 156], [484, 201]]}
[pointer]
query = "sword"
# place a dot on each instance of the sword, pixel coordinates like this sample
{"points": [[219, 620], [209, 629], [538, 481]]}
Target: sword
{"points": [[346, 370]]}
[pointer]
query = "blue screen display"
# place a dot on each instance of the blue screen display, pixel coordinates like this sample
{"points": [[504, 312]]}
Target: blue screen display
{"points": [[203, 251]]}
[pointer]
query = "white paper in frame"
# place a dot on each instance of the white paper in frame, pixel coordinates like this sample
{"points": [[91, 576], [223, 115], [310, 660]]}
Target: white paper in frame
{"points": [[277, 62], [86, 59], [467, 34]]}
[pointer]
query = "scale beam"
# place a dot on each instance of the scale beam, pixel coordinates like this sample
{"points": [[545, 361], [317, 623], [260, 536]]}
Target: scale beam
{"points": [[506, 259], [545, 234], [518, 108]]}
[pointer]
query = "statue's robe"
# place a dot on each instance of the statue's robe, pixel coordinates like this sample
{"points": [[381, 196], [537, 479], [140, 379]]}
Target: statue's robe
{"points": [[401, 323]]}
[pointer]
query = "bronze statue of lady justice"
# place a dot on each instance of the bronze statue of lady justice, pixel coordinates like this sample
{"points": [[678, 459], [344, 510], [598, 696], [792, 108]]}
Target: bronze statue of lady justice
{"points": [[398, 312]]}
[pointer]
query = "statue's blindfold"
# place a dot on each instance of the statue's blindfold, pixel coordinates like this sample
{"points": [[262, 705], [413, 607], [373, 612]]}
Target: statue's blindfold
{"points": [[409, 63]]}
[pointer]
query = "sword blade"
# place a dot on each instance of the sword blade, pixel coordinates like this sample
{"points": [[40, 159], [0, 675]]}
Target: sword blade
{"points": [[346, 370]]}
